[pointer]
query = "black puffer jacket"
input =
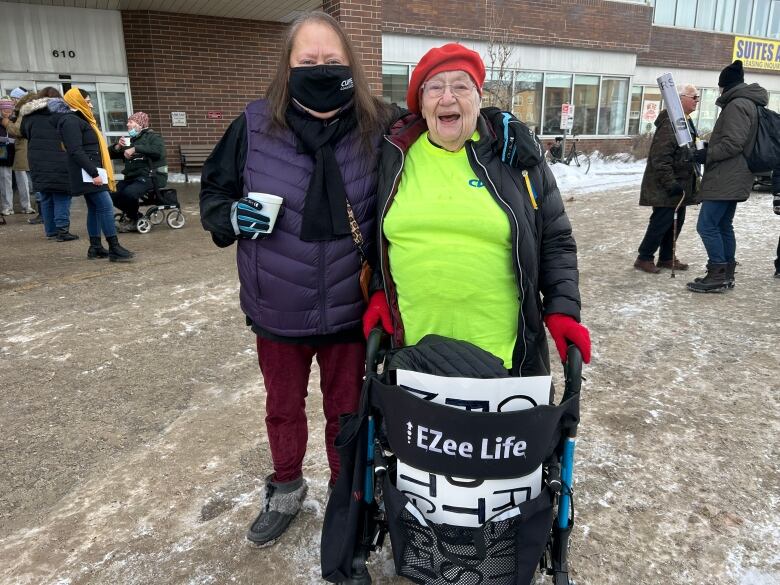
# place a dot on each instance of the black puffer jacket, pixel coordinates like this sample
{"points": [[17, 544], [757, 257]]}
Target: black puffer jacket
{"points": [[667, 164], [45, 151], [83, 148], [545, 254]]}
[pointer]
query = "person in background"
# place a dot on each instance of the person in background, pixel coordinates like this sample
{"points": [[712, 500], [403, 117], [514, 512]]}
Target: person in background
{"points": [[497, 280], [21, 168], [146, 163], [8, 158], [48, 161], [727, 179], [776, 208], [669, 183], [87, 152]]}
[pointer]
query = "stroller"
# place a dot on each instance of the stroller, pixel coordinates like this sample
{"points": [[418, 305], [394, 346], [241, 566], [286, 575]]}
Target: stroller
{"points": [[157, 201], [475, 488]]}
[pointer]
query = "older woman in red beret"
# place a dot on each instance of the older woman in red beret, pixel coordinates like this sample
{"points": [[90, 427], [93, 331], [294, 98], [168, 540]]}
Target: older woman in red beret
{"points": [[471, 248]]}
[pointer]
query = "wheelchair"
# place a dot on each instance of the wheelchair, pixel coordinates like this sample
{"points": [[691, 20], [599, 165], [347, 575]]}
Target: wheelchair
{"points": [[161, 205], [472, 483]]}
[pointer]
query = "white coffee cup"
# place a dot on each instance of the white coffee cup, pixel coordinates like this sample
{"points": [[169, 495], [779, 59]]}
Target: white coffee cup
{"points": [[271, 205]]}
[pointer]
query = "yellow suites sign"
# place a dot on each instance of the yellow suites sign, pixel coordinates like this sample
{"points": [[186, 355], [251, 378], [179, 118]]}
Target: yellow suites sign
{"points": [[757, 53]]}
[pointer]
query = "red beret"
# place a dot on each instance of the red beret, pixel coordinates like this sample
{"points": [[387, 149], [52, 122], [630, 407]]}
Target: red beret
{"points": [[449, 57]]}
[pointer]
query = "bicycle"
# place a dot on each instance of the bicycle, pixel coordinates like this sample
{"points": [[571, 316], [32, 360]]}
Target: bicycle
{"points": [[576, 157]]}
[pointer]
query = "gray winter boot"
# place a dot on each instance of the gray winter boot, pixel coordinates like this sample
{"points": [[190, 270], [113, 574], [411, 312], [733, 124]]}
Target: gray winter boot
{"points": [[715, 281], [282, 502]]}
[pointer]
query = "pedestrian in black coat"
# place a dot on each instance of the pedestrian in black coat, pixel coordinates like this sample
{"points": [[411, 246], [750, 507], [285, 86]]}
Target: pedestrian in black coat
{"points": [[49, 161], [87, 156]]}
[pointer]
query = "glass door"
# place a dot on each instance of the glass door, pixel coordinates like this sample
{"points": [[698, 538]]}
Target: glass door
{"points": [[115, 108], [7, 85]]}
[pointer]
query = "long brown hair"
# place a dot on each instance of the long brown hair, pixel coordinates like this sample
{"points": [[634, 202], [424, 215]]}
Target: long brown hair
{"points": [[49, 92], [372, 114]]}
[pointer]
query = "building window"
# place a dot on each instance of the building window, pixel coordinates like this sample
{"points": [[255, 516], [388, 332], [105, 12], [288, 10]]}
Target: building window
{"points": [[705, 14], [742, 16], [724, 15], [586, 103], [497, 90], [528, 99], [686, 14], [652, 104], [635, 111], [664, 11], [612, 106], [395, 82], [557, 91], [774, 101], [115, 110], [760, 18], [707, 110], [774, 21]]}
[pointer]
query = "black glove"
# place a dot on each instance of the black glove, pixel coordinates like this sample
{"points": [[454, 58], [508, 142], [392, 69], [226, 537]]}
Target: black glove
{"points": [[516, 143], [700, 155], [676, 190], [251, 223]]}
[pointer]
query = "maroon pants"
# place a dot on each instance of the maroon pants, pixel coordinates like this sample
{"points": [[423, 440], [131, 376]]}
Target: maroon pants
{"points": [[286, 368]]}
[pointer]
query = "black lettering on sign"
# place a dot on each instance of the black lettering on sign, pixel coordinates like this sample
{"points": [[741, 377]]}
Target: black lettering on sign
{"points": [[63, 53]]}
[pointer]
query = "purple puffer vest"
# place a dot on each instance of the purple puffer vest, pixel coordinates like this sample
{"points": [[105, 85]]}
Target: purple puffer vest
{"points": [[289, 287]]}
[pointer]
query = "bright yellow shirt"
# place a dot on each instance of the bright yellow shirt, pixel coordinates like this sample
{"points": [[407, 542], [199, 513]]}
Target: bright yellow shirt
{"points": [[451, 253]]}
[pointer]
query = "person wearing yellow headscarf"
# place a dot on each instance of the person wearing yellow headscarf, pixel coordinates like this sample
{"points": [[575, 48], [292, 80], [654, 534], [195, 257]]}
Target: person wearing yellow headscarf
{"points": [[87, 157]]}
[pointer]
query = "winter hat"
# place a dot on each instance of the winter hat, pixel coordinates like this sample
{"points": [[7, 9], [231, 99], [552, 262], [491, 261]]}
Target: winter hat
{"points": [[6, 103], [18, 92], [140, 118], [449, 57], [731, 75]]}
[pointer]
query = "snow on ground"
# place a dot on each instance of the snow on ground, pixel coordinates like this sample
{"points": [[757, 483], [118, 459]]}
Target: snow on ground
{"points": [[604, 174], [134, 450]]}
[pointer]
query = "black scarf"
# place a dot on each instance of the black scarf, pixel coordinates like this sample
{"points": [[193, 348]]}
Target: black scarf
{"points": [[325, 208]]}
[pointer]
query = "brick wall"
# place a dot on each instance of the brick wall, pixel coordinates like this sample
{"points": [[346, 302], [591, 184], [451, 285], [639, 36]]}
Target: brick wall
{"points": [[362, 20], [689, 49], [587, 24], [197, 64]]}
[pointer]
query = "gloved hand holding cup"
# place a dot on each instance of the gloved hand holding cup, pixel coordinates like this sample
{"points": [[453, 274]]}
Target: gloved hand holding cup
{"points": [[255, 214]]}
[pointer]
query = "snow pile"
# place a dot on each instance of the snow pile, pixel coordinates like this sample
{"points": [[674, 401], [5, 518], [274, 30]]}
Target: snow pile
{"points": [[603, 175]]}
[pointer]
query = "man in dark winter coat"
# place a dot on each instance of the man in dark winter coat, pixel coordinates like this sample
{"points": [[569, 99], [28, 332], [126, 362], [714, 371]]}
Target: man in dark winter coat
{"points": [[727, 178], [668, 186], [49, 163]]}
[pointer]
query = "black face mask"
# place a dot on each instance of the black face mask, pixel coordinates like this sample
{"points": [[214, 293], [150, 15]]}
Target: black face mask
{"points": [[322, 88]]}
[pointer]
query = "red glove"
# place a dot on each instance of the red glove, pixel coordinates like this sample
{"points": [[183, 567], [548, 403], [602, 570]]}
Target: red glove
{"points": [[377, 311], [564, 328]]}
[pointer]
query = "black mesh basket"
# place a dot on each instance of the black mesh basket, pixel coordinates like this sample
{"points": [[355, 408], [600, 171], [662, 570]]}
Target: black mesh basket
{"points": [[506, 552]]}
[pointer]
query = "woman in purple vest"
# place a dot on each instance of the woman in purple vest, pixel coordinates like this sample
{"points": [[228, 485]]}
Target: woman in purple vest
{"points": [[314, 141]]}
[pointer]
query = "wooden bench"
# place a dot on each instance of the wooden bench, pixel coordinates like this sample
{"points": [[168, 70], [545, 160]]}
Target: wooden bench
{"points": [[193, 156]]}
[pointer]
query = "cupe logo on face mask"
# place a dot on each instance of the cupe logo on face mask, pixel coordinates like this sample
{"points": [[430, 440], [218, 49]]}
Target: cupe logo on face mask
{"points": [[347, 84]]}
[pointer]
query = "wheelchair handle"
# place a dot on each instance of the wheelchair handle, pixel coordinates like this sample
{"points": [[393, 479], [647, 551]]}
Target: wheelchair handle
{"points": [[572, 371], [373, 344]]}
